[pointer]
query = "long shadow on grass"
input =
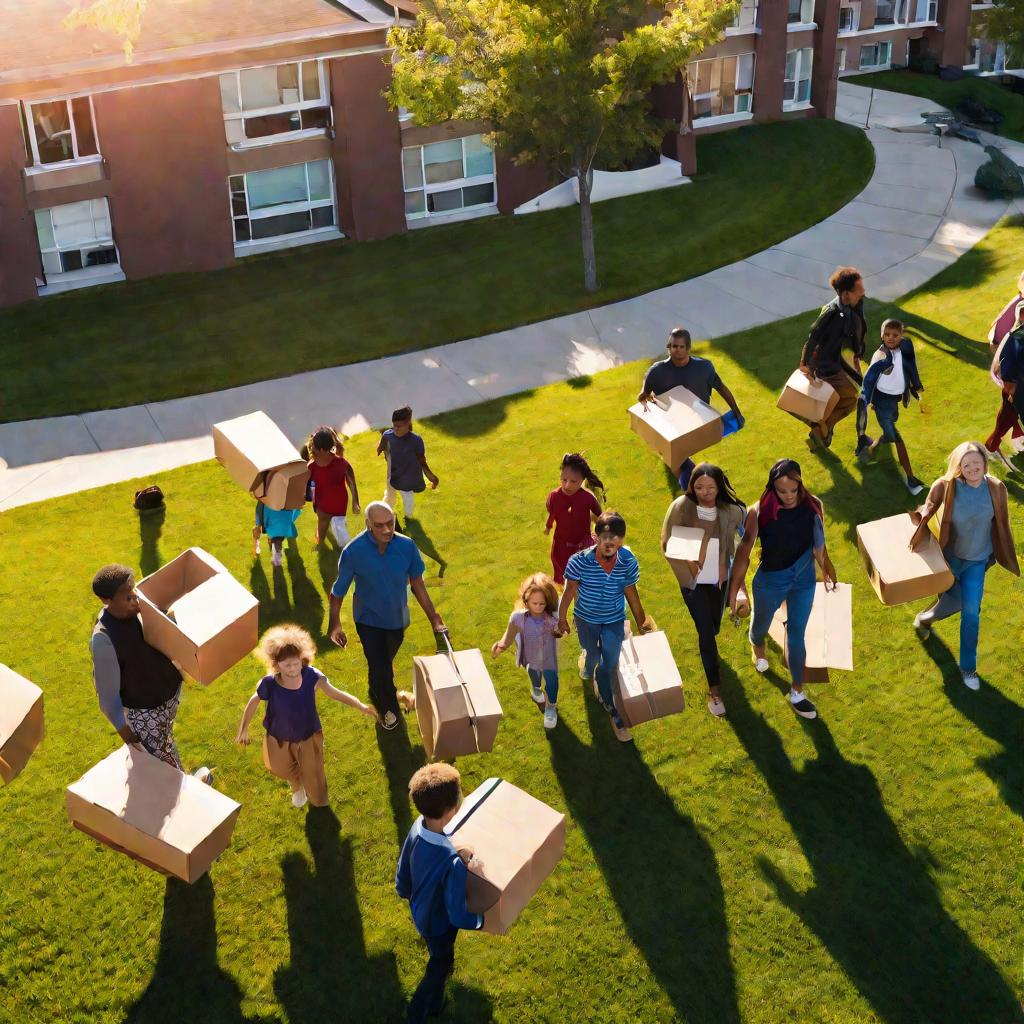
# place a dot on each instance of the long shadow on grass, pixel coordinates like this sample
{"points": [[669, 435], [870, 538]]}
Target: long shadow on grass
{"points": [[401, 759], [188, 984], [151, 525], [873, 903], [477, 420], [661, 871], [414, 530]]}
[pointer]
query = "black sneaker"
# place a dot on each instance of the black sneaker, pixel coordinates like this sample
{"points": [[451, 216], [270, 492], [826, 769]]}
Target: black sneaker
{"points": [[914, 485], [803, 707], [863, 451]]}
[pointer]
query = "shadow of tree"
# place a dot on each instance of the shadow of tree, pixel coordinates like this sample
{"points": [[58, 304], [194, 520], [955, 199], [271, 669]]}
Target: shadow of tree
{"points": [[188, 984], [580, 383], [151, 525], [873, 903], [974, 267], [476, 420], [633, 826]]}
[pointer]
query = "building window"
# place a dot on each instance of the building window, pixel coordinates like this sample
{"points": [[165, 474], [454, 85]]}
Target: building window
{"points": [[849, 18], [842, 58], [875, 55], [801, 12], [275, 103], [926, 10], [446, 177], [885, 12], [796, 91], [721, 85], [282, 201], [75, 238], [746, 16], [61, 131]]}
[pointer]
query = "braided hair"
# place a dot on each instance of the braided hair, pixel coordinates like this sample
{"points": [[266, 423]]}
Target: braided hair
{"points": [[578, 464]]}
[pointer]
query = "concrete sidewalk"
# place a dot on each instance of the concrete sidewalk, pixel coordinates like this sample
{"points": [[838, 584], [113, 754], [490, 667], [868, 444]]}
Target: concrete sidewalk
{"points": [[916, 216]]}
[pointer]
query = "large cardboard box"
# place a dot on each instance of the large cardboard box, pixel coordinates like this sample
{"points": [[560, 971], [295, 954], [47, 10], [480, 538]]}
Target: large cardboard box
{"points": [[139, 805], [261, 459], [456, 705], [807, 400], [829, 635], [685, 551], [199, 615], [676, 425], [647, 681], [21, 721], [897, 573], [516, 841]]}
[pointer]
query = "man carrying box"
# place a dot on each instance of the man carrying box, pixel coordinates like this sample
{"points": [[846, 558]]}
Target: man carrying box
{"points": [[138, 687], [696, 374]]}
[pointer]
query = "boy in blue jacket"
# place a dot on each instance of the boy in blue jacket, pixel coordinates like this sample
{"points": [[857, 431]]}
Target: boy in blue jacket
{"points": [[432, 877], [891, 378]]}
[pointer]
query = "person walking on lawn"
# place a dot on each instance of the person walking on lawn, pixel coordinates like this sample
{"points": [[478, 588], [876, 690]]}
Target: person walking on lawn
{"points": [[695, 373], [383, 564], [840, 325], [1008, 372]]}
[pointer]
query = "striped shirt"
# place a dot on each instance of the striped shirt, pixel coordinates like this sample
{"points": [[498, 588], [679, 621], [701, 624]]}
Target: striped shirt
{"points": [[600, 599]]}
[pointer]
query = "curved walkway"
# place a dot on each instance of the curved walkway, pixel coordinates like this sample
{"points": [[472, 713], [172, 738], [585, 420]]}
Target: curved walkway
{"points": [[917, 215]]}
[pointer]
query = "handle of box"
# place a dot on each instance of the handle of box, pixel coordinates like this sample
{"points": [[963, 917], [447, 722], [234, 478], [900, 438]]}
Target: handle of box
{"points": [[465, 690]]}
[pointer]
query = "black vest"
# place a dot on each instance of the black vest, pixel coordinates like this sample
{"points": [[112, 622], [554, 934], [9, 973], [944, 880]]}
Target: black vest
{"points": [[148, 678], [787, 538]]}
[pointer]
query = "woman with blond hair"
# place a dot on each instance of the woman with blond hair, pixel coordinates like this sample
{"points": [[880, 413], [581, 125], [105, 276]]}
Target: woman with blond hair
{"points": [[974, 532]]}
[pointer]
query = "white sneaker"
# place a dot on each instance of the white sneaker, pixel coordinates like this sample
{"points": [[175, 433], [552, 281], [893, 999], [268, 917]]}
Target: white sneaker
{"points": [[971, 680], [550, 716], [760, 664], [923, 625], [801, 705], [204, 775], [299, 798], [537, 694], [276, 559]]}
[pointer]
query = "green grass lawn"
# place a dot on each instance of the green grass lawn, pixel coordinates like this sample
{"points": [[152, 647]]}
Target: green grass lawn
{"points": [[344, 302], [860, 868], [950, 94]]}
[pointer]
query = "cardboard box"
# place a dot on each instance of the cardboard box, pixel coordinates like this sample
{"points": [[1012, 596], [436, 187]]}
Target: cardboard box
{"points": [[139, 805], [685, 551], [647, 681], [456, 706], [676, 425], [808, 400], [199, 615], [897, 573], [516, 841], [21, 721], [261, 459], [829, 635]]}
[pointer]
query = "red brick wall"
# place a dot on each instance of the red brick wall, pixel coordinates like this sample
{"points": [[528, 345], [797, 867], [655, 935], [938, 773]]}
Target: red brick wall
{"points": [[518, 184], [955, 16], [367, 149], [167, 159], [19, 244], [770, 70], [825, 72]]}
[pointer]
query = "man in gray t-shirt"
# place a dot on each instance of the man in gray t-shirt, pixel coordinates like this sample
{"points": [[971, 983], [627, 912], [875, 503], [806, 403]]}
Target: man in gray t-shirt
{"points": [[407, 461]]}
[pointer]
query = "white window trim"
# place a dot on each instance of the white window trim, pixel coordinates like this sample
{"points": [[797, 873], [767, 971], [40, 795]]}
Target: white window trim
{"points": [[710, 122], [448, 186], [802, 26], [754, 30], [876, 67], [466, 213], [795, 104], [883, 29], [76, 161], [87, 277], [243, 249]]}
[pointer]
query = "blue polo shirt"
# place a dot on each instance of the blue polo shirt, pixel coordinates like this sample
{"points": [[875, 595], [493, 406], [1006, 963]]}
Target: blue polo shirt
{"points": [[382, 580], [600, 598]]}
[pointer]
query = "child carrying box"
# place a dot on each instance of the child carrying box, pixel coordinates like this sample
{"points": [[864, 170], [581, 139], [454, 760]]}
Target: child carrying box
{"points": [[432, 876], [407, 462]]}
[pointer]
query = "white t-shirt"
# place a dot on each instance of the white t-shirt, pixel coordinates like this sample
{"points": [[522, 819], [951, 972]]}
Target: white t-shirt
{"points": [[893, 383], [709, 571]]}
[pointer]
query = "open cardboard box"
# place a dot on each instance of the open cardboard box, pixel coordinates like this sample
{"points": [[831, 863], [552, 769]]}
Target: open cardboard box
{"points": [[516, 841], [829, 635], [647, 681], [685, 552], [676, 425], [457, 708], [808, 400], [139, 805], [21, 722], [259, 457], [897, 573], [198, 614]]}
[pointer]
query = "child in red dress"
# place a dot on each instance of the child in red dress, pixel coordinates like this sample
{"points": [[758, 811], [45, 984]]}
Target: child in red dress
{"points": [[572, 510], [330, 477]]}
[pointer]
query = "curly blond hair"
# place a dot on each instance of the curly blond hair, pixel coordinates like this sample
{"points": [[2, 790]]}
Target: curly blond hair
{"points": [[286, 641], [546, 585]]}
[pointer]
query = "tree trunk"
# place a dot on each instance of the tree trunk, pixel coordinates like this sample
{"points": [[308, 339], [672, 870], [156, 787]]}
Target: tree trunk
{"points": [[584, 178]]}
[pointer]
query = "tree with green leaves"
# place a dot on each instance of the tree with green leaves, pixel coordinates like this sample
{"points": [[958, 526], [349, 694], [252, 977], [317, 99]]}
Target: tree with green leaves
{"points": [[559, 82], [1005, 21]]}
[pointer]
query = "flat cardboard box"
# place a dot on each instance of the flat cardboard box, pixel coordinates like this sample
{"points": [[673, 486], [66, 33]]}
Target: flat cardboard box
{"points": [[829, 635], [676, 425], [685, 551], [457, 707], [647, 682], [213, 621], [139, 805], [897, 573], [259, 457], [516, 841], [21, 722], [807, 400]]}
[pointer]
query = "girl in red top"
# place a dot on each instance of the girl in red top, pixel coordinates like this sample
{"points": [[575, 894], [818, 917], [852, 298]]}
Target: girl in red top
{"points": [[572, 510], [330, 477]]}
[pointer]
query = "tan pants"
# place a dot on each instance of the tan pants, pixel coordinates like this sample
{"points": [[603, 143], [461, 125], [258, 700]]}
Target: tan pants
{"points": [[301, 764], [847, 392]]}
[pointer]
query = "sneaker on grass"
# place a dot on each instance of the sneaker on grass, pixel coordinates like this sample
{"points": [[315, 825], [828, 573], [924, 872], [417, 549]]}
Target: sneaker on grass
{"points": [[550, 716], [204, 774], [715, 706], [537, 694], [622, 734], [922, 625], [914, 485], [970, 678], [801, 705], [276, 558], [299, 797]]}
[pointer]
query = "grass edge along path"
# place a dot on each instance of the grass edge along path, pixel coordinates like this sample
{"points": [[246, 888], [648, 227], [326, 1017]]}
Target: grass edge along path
{"points": [[334, 303], [859, 869]]}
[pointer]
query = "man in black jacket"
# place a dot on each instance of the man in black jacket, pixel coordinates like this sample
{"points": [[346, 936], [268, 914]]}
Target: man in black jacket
{"points": [[840, 325]]}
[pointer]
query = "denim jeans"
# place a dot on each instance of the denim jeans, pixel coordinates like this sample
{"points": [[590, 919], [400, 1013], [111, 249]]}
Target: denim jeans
{"points": [[887, 412], [795, 586], [964, 597], [379, 648], [549, 676], [429, 995], [601, 643]]}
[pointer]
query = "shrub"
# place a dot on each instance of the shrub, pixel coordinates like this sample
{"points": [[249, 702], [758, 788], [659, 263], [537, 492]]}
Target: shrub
{"points": [[1000, 176]]}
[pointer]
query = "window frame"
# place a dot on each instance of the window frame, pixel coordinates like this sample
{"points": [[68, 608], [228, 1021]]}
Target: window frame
{"points": [[854, 9], [33, 142], [792, 25], [877, 46], [709, 119], [737, 26], [82, 272], [428, 188], [798, 104]]}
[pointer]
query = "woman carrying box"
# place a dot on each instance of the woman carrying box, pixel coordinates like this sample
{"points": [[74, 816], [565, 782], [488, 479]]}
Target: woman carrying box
{"points": [[709, 504], [974, 532], [789, 521]]}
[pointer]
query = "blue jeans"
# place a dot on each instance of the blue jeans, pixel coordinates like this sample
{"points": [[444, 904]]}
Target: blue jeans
{"points": [[550, 678], [601, 643], [429, 995], [887, 412], [964, 597], [795, 586]]}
